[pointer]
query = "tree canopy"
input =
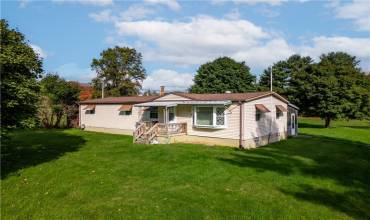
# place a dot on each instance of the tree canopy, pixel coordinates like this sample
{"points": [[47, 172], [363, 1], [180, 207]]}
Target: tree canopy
{"points": [[290, 79], [338, 88], [59, 99], [121, 70], [221, 75], [20, 69], [333, 88]]}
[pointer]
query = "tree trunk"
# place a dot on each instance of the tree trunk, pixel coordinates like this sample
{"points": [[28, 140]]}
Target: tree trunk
{"points": [[58, 119], [327, 121]]}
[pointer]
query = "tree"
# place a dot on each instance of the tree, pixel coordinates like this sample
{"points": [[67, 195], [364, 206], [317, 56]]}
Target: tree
{"points": [[290, 79], [221, 75], [59, 99], [121, 70], [339, 88], [20, 69]]}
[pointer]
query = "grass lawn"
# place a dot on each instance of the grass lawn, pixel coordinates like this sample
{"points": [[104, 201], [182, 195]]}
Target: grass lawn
{"points": [[71, 174]]}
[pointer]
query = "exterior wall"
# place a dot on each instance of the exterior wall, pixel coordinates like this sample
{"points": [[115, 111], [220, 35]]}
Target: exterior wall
{"points": [[107, 116], [171, 97], [268, 124], [184, 114], [291, 111], [249, 143]]}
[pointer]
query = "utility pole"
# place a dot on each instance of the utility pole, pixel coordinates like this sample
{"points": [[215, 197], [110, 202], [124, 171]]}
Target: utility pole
{"points": [[271, 79], [102, 88]]}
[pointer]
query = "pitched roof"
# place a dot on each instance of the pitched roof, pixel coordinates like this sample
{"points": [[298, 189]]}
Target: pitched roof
{"points": [[248, 96], [193, 96], [121, 100]]}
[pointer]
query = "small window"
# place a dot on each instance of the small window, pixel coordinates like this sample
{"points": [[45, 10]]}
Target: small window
{"points": [[125, 113], [171, 114], [153, 112], [90, 112], [279, 114], [258, 115], [220, 116]]}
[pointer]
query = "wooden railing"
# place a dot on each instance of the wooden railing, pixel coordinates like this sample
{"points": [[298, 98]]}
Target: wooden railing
{"points": [[151, 134], [173, 128], [139, 131], [147, 131]]}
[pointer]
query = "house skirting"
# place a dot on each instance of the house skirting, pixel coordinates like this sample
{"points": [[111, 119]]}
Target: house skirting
{"points": [[110, 130], [248, 143]]}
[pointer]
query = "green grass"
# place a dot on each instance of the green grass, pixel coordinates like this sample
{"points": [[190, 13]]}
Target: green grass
{"points": [[70, 174]]}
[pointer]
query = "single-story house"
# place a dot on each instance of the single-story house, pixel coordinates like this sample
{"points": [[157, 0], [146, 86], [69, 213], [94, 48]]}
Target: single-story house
{"points": [[244, 120]]}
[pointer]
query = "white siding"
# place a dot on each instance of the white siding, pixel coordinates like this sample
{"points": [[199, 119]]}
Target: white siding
{"points": [[184, 114], [253, 128], [107, 116], [171, 97]]}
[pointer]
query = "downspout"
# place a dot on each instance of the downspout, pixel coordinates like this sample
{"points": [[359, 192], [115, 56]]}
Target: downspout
{"points": [[79, 115], [241, 126]]}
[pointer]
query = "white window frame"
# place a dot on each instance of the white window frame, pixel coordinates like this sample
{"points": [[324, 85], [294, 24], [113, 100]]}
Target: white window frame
{"points": [[214, 114], [174, 115]]}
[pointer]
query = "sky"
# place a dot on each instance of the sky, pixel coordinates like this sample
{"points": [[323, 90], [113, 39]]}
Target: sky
{"points": [[176, 37]]}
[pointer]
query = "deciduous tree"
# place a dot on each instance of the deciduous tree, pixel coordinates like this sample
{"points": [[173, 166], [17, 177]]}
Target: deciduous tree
{"points": [[221, 75], [339, 88], [20, 69], [121, 70]]}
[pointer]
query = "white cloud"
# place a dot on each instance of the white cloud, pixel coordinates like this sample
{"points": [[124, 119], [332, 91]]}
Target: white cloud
{"points": [[357, 10], [234, 14], [102, 16], [42, 53], [251, 2], [172, 4], [358, 47], [87, 2], [260, 56], [204, 38], [270, 13], [71, 71], [171, 79], [135, 12], [23, 3]]}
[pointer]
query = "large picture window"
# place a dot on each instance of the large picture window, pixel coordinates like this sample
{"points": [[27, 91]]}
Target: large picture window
{"points": [[209, 116]]}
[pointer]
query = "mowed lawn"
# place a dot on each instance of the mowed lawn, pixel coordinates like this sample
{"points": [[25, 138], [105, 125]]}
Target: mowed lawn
{"points": [[71, 174]]}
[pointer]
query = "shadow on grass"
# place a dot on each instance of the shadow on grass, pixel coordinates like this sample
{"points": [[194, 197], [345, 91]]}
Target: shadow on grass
{"points": [[309, 125], [345, 162], [25, 149]]}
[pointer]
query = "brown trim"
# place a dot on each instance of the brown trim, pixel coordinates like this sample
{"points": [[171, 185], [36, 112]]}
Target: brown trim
{"points": [[268, 94], [125, 108], [281, 108], [241, 125], [89, 107], [262, 108]]}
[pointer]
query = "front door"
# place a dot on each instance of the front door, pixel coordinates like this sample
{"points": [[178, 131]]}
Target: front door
{"points": [[171, 115], [293, 124]]}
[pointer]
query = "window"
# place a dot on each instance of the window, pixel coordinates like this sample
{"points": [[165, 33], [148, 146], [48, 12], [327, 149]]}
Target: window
{"points": [[204, 116], [125, 113], [90, 112], [171, 114], [209, 116], [220, 116], [279, 114], [258, 115], [153, 113]]}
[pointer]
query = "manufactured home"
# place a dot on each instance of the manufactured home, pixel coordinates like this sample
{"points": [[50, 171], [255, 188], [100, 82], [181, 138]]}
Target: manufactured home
{"points": [[245, 120]]}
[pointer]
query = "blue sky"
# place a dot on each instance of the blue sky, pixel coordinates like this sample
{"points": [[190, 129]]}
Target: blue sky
{"points": [[175, 37]]}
